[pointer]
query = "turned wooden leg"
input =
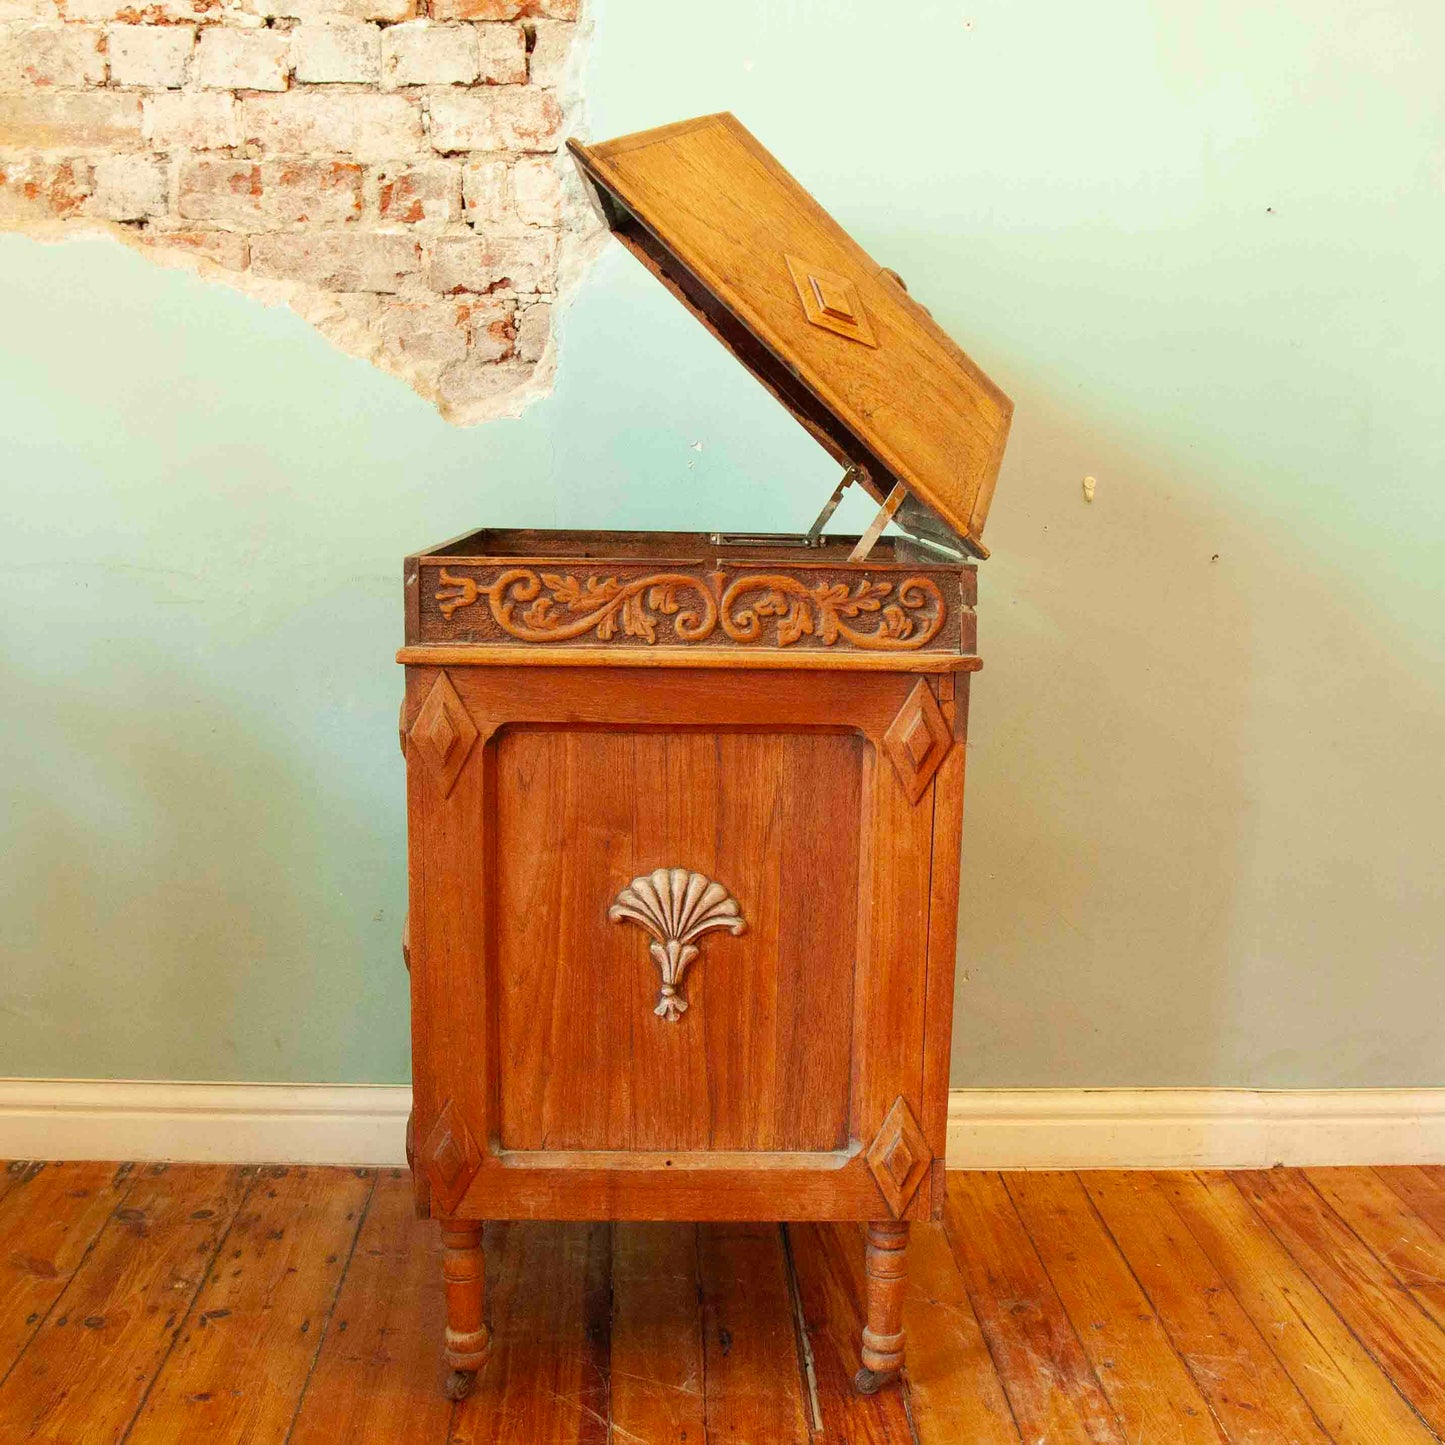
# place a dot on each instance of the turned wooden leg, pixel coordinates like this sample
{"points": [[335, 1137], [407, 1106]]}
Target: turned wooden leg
{"points": [[886, 1266], [464, 1269]]}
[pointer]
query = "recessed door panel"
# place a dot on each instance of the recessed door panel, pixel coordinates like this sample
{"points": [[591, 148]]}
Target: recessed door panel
{"points": [[758, 1059]]}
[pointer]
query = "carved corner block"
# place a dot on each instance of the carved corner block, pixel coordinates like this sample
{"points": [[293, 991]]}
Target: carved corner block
{"points": [[443, 734], [450, 1157], [899, 1157], [917, 741]]}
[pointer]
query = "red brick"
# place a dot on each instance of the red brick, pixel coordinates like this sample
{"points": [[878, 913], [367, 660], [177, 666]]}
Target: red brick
{"points": [[423, 330], [534, 328], [420, 53], [38, 10], [327, 11], [501, 118], [422, 194], [337, 260], [35, 188], [375, 127], [503, 50], [477, 9], [187, 121], [512, 195], [82, 121], [232, 59], [220, 248], [492, 322], [326, 54], [128, 187], [499, 263], [45, 57], [264, 193], [476, 387], [150, 55], [551, 49], [152, 12]]}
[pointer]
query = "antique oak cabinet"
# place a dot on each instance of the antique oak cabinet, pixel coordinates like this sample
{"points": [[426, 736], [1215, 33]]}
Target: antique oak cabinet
{"points": [[684, 809]]}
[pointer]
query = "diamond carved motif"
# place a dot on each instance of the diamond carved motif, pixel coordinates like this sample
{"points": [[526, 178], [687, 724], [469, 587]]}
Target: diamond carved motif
{"points": [[441, 737], [917, 741], [443, 734], [831, 301], [899, 1157], [898, 1161], [450, 1156]]}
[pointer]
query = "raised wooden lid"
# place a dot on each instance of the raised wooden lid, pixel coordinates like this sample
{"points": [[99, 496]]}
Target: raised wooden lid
{"points": [[834, 335]]}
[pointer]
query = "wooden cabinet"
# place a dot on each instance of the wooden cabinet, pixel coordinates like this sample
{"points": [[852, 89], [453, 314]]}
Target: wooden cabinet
{"points": [[684, 810]]}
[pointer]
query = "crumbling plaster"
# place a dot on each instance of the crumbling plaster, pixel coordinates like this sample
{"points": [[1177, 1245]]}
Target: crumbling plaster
{"points": [[392, 170]]}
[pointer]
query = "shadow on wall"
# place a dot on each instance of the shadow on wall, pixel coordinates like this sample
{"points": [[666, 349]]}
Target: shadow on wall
{"points": [[1202, 831], [180, 876], [1198, 836]]}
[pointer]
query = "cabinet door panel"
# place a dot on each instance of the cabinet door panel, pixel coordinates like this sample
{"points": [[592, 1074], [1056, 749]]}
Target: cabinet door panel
{"points": [[760, 1058]]}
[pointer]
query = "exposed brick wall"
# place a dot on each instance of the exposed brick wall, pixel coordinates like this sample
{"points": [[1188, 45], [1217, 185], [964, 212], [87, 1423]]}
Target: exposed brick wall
{"points": [[390, 168]]}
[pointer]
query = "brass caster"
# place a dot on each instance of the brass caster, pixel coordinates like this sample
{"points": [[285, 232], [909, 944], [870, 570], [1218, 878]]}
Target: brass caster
{"points": [[869, 1382], [459, 1384]]}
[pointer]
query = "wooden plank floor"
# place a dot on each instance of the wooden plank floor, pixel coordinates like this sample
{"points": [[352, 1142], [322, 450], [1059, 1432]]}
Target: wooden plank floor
{"points": [[207, 1304]]}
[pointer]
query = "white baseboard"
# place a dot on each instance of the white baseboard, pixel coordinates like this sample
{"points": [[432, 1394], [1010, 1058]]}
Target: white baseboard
{"points": [[204, 1123], [1193, 1128], [987, 1128]]}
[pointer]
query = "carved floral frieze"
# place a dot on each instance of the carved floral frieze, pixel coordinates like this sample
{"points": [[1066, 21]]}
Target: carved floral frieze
{"points": [[743, 608]]}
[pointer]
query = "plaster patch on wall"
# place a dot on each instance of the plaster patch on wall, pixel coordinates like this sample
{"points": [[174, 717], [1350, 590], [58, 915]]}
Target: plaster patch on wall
{"points": [[390, 169]]}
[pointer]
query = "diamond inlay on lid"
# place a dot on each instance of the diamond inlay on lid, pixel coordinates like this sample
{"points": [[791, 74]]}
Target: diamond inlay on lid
{"points": [[831, 301], [832, 298], [745, 247]]}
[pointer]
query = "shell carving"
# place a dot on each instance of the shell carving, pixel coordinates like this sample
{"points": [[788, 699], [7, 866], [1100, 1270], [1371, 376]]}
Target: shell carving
{"points": [[675, 907]]}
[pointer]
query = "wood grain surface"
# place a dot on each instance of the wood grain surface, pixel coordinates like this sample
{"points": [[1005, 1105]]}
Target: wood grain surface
{"points": [[720, 222], [300, 1306], [761, 1059], [544, 1084]]}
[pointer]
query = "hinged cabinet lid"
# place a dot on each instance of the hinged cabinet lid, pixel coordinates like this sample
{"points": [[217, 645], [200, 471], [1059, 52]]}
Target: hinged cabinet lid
{"points": [[834, 335]]}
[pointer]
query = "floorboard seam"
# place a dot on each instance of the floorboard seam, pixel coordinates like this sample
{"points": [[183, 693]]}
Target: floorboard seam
{"points": [[1369, 1249], [1063, 1308], [94, 1240], [331, 1308], [803, 1346], [1304, 1399], [1164, 1329], [1353, 1333], [221, 1239], [953, 1249]]}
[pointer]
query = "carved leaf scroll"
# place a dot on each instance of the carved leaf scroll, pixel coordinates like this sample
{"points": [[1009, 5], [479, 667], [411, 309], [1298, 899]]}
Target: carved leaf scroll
{"points": [[572, 608], [560, 607], [675, 907]]}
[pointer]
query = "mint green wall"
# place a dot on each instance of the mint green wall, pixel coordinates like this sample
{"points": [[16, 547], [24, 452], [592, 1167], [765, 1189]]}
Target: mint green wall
{"points": [[1203, 246]]}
